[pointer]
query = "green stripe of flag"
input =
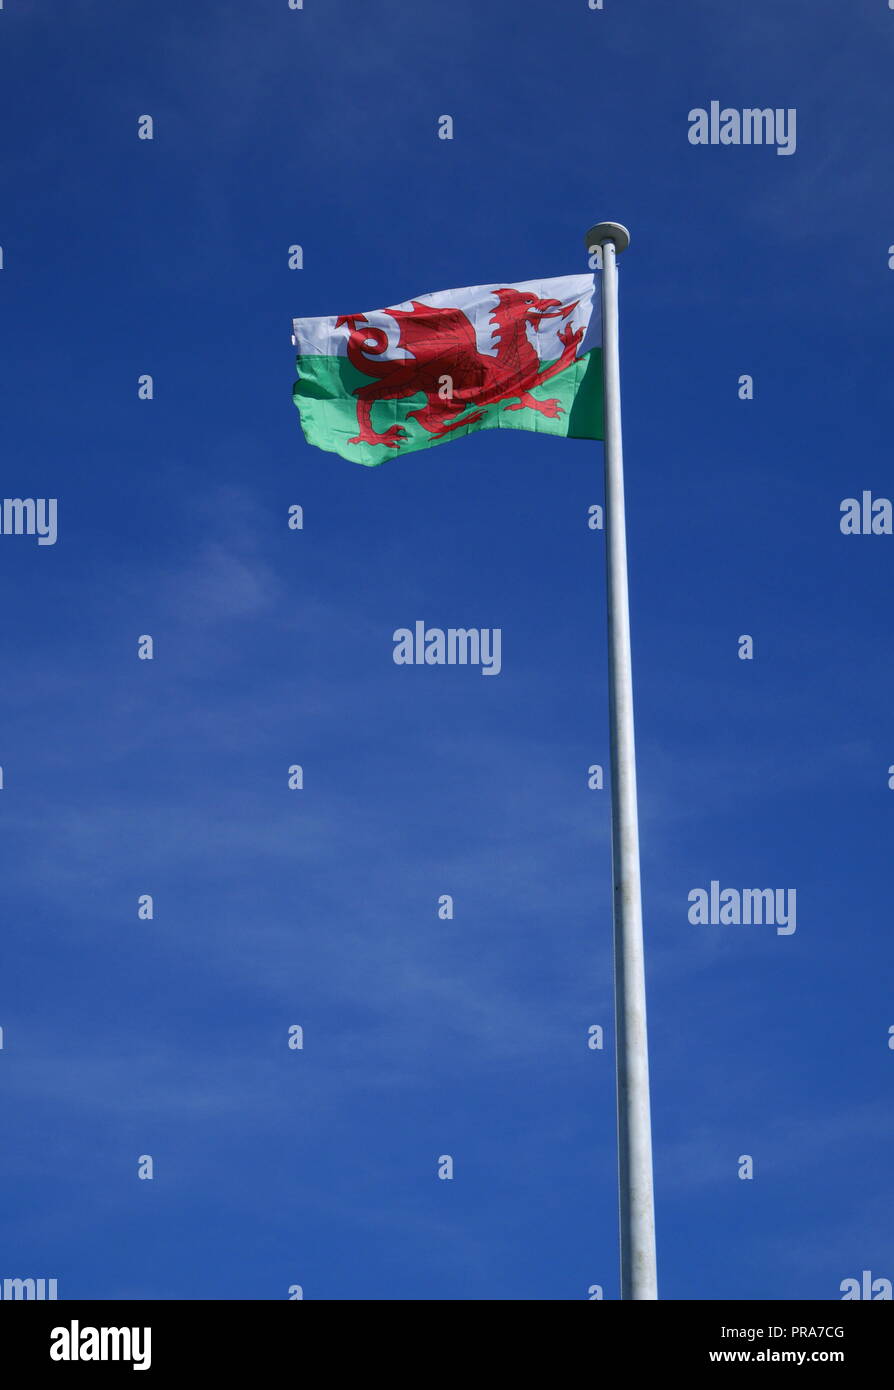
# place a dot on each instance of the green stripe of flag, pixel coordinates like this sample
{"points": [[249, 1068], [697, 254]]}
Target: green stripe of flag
{"points": [[324, 395]]}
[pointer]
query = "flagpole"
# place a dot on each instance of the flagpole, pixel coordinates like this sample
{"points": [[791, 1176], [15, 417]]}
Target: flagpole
{"points": [[636, 1199]]}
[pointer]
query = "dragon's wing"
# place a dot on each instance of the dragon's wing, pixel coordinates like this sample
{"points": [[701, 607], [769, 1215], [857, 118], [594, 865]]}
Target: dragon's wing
{"points": [[429, 332]]}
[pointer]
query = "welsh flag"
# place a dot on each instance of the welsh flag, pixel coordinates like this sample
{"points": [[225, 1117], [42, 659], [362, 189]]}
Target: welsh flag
{"points": [[524, 357]]}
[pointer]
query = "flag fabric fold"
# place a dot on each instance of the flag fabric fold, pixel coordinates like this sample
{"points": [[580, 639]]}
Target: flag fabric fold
{"points": [[375, 385]]}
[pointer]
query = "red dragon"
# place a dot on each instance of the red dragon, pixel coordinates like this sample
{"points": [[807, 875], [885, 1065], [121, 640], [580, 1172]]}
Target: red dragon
{"points": [[447, 366]]}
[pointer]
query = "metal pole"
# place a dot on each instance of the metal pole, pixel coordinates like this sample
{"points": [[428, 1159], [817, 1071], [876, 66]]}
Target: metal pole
{"points": [[637, 1208]]}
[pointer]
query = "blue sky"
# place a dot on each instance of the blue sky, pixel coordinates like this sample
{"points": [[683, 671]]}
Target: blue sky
{"points": [[319, 907]]}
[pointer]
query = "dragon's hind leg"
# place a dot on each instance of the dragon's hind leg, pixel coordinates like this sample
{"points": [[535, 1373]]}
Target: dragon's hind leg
{"points": [[439, 419], [393, 437]]}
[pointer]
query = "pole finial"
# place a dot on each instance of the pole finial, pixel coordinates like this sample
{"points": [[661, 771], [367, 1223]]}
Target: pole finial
{"points": [[608, 231]]}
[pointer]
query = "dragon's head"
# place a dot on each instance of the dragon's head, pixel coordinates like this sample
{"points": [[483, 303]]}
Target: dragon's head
{"points": [[520, 304]]}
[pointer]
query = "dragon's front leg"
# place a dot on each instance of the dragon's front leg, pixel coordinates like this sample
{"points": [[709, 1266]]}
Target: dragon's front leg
{"points": [[570, 338], [552, 408]]}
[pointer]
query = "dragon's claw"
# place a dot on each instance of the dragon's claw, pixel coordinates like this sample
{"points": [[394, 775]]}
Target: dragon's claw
{"points": [[570, 337], [393, 437], [552, 408]]}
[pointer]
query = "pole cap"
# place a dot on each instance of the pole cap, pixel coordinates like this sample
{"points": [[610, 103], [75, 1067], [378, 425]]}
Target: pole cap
{"points": [[608, 231]]}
